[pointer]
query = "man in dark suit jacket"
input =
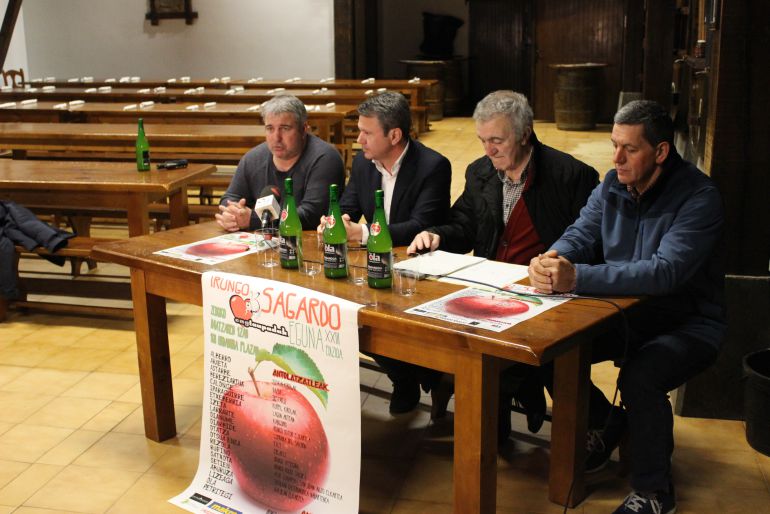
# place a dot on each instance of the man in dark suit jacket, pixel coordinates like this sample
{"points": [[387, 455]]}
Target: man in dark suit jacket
{"points": [[415, 181]]}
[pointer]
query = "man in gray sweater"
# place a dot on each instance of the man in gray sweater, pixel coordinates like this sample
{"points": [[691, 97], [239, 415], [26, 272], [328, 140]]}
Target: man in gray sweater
{"points": [[290, 151]]}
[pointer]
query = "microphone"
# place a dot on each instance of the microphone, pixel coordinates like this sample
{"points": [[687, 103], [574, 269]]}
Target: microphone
{"points": [[268, 206]]}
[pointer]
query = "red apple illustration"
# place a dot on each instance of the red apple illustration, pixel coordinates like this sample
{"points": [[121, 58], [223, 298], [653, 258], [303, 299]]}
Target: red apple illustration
{"points": [[276, 443], [217, 248], [485, 306]]}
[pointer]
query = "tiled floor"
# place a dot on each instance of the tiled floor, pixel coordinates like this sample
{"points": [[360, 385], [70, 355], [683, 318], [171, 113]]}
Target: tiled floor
{"points": [[71, 434]]}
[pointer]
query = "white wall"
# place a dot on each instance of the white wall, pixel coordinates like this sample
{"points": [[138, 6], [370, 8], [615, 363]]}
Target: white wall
{"points": [[401, 30], [17, 51], [240, 38]]}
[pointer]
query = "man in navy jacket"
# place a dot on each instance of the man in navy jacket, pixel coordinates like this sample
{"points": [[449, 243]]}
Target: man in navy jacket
{"points": [[415, 181], [652, 228]]}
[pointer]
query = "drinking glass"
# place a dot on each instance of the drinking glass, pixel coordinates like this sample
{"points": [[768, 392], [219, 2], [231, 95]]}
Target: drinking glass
{"points": [[269, 246]]}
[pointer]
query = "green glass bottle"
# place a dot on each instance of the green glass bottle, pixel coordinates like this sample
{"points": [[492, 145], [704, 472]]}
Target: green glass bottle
{"points": [[379, 247], [142, 149], [335, 239], [290, 229]]}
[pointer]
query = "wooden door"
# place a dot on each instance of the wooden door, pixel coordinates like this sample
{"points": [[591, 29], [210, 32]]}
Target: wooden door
{"points": [[500, 46], [575, 31]]}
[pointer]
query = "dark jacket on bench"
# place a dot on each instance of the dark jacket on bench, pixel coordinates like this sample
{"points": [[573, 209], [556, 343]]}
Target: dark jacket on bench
{"points": [[18, 225]]}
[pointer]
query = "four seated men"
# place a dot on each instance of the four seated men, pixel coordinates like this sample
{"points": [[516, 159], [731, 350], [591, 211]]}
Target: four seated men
{"points": [[651, 228]]}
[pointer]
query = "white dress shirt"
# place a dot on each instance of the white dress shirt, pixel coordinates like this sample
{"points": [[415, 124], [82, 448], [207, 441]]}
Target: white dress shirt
{"points": [[388, 185]]}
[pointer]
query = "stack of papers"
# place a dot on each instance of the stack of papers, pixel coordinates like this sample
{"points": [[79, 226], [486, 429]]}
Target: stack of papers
{"points": [[464, 270], [438, 263]]}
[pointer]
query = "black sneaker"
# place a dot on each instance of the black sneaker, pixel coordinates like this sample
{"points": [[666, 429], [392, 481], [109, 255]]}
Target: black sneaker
{"points": [[660, 502], [405, 397], [600, 443]]}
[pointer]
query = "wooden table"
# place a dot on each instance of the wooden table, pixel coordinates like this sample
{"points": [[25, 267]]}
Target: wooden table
{"points": [[177, 94], [474, 356], [210, 94], [417, 91], [99, 185], [327, 121], [107, 137]]}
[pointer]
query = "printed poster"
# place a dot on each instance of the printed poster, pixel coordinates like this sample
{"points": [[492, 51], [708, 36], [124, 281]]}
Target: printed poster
{"points": [[281, 429], [220, 248], [493, 310]]}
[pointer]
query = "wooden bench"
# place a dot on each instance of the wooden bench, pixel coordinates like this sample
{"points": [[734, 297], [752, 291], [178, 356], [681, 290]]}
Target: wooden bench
{"points": [[78, 250]]}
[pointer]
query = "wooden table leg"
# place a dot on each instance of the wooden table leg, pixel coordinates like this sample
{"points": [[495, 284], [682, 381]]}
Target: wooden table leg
{"points": [[81, 225], [475, 449], [151, 328], [138, 214], [178, 210], [572, 372]]}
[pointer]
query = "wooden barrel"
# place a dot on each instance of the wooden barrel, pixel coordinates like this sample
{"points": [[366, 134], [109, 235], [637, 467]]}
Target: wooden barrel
{"points": [[447, 97], [453, 90], [575, 96], [434, 99]]}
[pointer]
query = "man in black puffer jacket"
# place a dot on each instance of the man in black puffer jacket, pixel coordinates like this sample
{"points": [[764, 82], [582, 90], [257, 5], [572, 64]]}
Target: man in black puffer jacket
{"points": [[518, 200]]}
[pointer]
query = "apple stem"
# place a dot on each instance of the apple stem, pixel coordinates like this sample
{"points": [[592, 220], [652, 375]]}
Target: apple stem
{"points": [[251, 372]]}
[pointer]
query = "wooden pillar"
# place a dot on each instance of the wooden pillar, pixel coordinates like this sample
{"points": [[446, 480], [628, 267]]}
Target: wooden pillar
{"points": [[737, 132], [658, 51], [9, 23]]}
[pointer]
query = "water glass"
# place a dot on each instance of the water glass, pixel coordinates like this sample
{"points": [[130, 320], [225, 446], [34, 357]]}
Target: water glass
{"points": [[269, 250]]}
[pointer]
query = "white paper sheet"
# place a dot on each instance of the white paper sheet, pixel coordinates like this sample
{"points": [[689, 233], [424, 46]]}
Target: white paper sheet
{"points": [[438, 263], [492, 273]]}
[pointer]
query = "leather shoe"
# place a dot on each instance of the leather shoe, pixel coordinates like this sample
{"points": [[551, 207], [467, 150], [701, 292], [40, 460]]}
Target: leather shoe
{"points": [[440, 393], [405, 397]]}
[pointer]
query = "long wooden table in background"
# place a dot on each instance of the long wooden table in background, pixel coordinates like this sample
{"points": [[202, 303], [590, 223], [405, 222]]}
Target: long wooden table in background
{"points": [[80, 191], [210, 94], [176, 94], [204, 140], [80, 186], [327, 121], [417, 91], [473, 355]]}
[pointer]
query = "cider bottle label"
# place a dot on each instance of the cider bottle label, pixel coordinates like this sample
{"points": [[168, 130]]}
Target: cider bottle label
{"points": [[378, 265], [335, 256], [288, 248]]}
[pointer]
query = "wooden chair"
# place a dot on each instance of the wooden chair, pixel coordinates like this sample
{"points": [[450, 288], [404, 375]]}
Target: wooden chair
{"points": [[13, 77], [347, 152]]}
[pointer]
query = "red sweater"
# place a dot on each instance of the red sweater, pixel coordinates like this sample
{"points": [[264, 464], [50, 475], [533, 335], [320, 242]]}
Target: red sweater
{"points": [[520, 241]]}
